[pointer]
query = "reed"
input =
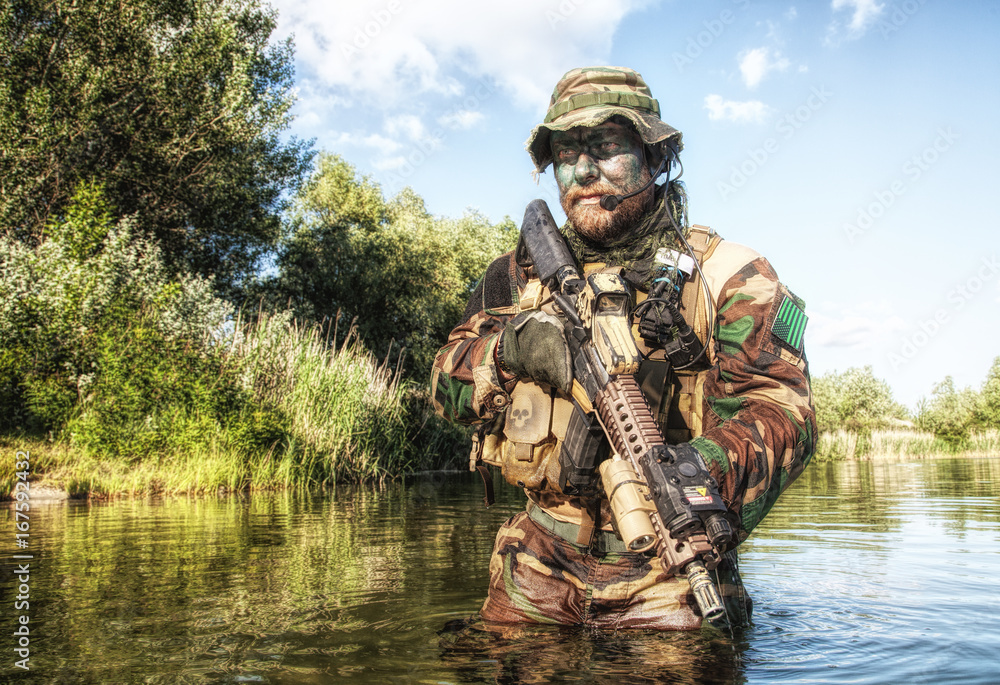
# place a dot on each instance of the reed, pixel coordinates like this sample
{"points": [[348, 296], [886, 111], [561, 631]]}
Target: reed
{"points": [[900, 445], [305, 414], [343, 409]]}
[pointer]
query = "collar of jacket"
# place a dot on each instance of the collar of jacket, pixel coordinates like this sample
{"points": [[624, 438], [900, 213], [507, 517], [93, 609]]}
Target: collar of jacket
{"points": [[635, 251]]}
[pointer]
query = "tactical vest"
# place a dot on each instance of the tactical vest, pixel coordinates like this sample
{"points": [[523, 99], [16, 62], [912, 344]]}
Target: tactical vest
{"points": [[524, 442]]}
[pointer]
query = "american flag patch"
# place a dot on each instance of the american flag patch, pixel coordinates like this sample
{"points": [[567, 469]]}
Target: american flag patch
{"points": [[790, 324]]}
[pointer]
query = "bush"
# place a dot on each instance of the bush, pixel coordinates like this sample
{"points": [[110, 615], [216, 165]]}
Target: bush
{"points": [[90, 311], [152, 393], [987, 413], [404, 275], [854, 401], [949, 414]]}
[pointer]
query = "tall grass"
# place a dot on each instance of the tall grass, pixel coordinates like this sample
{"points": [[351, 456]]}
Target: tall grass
{"points": [[295, 412], [122, 378], [343, 410], [984, 444], [889, 445]]}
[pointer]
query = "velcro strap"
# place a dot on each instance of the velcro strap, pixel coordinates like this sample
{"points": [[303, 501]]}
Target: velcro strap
{"points": [[613, 97], [488, 498], [605, 541]]}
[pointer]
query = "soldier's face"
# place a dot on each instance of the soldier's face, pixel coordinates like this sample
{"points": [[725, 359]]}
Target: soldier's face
{"points": [[600, 160]]}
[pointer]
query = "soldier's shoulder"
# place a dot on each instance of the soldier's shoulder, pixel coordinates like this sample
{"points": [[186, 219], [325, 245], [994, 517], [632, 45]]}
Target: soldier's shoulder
{"points": [[731, 256], [728, 258]]}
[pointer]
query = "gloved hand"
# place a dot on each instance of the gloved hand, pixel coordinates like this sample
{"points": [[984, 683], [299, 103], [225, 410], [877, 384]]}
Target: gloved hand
{"points": [[534, 346]]}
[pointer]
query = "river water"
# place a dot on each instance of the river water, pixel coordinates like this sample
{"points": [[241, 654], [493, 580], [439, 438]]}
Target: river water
{"points": [[884, 573]]}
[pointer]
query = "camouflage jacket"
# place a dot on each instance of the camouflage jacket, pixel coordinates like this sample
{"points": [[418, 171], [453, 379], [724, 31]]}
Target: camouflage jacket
{"points": [[759, 427]]}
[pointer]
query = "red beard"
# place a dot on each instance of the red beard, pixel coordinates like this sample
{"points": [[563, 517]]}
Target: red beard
{"points": [[597, 224]]}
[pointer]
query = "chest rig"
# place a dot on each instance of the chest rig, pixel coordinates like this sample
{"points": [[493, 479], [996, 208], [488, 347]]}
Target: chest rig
{"points": [[526, 439]]}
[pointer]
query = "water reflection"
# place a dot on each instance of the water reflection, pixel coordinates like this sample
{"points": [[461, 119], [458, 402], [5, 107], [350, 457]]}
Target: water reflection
{"points": [[862, 572], [514, 655]]}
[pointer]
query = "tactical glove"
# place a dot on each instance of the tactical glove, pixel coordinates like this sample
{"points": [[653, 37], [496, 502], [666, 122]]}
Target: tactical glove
{"points": [[533, 345]]}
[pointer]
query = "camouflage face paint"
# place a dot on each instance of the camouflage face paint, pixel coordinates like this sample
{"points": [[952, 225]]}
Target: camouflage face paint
{"points": [[601, 160]]}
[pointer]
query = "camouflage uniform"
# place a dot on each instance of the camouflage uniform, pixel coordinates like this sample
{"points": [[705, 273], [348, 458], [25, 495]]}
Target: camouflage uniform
{"points": [[753, 423]]}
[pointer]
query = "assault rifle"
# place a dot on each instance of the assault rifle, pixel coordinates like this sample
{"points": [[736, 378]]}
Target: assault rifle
{"points": [[663, 499]]}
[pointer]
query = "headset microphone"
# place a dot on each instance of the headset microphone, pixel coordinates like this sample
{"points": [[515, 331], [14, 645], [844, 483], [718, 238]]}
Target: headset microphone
{"points": [[609, 202]]}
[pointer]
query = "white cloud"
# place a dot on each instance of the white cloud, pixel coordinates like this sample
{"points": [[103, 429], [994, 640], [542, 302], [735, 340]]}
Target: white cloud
{"points": [[392, 50], [339, 138], [315, 103], [406, 125], [772, 31], [413, 72], [389, 163], [865, 326], [380, 142], [731, 110], [864, 15], [461, 119], [402, 131], [755, 65]]}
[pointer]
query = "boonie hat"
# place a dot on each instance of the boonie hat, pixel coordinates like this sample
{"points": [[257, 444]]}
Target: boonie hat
{"points": [[589, 96]]}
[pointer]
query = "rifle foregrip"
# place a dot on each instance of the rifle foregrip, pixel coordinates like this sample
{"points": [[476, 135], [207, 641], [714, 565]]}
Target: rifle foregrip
{"points": [[628, 418], [634, 435]]}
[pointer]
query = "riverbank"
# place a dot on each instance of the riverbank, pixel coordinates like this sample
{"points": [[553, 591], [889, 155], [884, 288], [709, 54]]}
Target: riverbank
{"points": [[65, 471], [902, 445], [271, 406]]}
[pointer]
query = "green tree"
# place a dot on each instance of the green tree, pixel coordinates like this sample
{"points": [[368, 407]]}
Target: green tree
{"points": [[987, 414], [175, 107], [89, 295], [854, 400], [405, 275], [950, 413]]}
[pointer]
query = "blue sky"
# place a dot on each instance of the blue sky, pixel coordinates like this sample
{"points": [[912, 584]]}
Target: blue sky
{"points": [[854, 143]]}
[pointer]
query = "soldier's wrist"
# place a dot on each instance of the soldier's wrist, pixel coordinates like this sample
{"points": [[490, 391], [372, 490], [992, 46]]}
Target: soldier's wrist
{"points": [[498, 350], [506, 377]]}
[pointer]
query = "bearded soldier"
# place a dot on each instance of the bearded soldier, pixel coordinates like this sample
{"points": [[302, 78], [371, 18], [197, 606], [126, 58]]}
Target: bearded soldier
{"points": [[741, 407]]}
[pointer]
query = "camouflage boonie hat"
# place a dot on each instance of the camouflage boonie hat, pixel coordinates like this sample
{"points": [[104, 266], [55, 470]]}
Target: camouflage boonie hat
{"points": [[590, 96]]}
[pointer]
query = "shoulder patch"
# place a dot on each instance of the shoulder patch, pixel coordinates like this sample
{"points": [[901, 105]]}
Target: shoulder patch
{"points": [[790, 324]]}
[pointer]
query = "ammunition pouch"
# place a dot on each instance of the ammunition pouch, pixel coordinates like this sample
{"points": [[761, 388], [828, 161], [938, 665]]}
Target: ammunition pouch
{"points": [[526, 444], [678, 396]]}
